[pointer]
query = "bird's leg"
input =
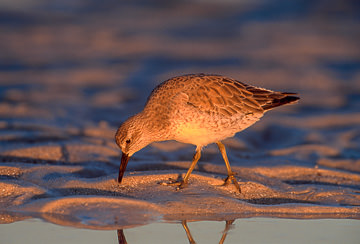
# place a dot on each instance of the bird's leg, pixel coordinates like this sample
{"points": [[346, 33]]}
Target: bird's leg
{"points": [[182, 183], [196, 158], [231, 176]]}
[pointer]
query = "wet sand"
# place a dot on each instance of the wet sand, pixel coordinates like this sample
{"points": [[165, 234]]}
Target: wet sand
{"points": [[68, 78]]}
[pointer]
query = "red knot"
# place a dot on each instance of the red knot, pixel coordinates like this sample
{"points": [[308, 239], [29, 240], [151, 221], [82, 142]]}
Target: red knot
{"points": [[197, 109]]}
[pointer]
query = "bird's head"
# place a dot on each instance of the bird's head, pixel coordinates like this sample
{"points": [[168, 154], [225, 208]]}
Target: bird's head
{"points": [[130, 137]]}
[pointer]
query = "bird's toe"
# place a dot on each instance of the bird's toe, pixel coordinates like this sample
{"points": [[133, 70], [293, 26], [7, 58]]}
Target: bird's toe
{"points": [[231, 179]]}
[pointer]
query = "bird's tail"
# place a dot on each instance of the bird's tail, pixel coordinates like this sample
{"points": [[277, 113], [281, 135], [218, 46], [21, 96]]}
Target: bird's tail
{"points": [[279, 99]]}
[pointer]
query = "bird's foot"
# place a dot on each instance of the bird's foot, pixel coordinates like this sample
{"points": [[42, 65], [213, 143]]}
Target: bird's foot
{"points": [[180, 184], [231, 178]]}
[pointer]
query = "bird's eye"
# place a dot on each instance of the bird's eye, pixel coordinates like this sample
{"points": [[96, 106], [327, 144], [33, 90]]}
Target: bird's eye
{"points": [[127, 141]]}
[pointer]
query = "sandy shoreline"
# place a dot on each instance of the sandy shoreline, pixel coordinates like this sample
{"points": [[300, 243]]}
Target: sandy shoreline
{"points": [[101, 203], [68, 79]]}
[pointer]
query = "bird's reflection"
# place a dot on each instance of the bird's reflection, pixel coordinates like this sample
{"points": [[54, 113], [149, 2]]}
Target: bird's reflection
{"points": [[121, 236], [187, 230], [122, 239], [191, 239], [227, 228]]}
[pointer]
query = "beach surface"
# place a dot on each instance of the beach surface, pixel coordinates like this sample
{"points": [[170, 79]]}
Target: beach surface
{"points": [[71, 73]]}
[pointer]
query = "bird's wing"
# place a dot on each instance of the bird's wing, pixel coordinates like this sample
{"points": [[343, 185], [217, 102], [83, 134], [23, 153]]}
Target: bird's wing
{"points": [[270, 99], [225, 96]]}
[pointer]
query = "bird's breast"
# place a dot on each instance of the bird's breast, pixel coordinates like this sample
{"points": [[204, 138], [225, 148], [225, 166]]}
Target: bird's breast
{"points": [[199, 133], [196, 135]]}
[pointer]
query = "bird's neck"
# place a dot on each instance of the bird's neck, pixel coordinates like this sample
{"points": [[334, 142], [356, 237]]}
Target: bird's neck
{"points": [[154, 125]]}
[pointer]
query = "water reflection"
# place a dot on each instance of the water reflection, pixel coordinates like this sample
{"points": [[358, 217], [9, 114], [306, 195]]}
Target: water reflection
{"points": [[121, 236], [228, 225], [246, 230]]}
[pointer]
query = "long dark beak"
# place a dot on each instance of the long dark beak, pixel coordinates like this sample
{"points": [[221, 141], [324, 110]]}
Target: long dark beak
{"points": [[124, 161]]}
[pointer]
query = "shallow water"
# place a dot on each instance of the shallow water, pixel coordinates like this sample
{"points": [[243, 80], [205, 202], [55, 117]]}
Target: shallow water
{"points": [[71, 72], [247, 230]]}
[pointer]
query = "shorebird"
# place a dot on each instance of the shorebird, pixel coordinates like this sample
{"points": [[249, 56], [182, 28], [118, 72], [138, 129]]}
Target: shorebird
{"points": [[198, 109]]}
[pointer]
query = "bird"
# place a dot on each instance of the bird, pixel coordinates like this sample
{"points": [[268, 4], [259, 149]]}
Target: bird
{"points": [[197, 109]]}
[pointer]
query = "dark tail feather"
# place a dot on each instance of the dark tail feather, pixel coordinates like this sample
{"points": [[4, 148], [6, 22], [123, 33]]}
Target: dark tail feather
{"points": [[281, 99]]}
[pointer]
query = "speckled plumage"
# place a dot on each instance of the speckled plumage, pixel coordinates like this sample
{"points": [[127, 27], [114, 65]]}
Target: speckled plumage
{"points": [[197, 109]]}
